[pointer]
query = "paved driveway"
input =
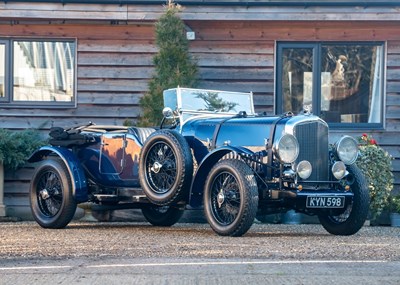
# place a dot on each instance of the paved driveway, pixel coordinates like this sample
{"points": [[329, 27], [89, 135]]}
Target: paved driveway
{"points": [[137, 253]]}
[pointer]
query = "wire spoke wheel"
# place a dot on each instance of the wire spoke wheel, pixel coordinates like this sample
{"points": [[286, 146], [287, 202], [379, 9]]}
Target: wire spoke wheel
{"points": [[51, 199], [225, 198], [353, 217], [49, 194], [230, 197], [162, 216], [341, 218], [161, 167], [165, 168]]}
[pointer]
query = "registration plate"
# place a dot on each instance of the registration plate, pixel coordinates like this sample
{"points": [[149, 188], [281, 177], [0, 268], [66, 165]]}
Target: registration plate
{"points": [[325, 202]]}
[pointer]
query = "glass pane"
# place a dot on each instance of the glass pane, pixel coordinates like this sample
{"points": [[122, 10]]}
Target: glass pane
{"points": [[216, 101], [351, 82], [44, 71], [297, 80], [2, 70]]}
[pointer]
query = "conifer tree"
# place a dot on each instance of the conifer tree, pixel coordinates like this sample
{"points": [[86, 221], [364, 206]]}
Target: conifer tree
{"points": [[173, 64]]}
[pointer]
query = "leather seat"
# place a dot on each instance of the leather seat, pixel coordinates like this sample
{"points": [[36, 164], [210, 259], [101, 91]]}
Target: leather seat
{"points": [[141, 133]]}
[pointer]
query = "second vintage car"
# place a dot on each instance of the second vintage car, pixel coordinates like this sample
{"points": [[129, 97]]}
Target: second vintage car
{"points": [[211, 150]]}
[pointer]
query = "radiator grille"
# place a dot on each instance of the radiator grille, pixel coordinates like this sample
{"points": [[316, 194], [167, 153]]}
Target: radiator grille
{"points": [[313, 142]]}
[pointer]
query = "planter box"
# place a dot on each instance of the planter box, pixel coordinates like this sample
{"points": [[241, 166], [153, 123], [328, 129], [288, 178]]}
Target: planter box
{"points": [[395, 219]]}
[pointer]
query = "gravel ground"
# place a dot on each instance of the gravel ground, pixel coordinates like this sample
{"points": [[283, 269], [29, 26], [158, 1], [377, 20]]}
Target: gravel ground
{"points": [[27, 240]]}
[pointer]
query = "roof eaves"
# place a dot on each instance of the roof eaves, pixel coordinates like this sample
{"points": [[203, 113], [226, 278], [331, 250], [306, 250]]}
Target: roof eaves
{"points": [[308, 3]]}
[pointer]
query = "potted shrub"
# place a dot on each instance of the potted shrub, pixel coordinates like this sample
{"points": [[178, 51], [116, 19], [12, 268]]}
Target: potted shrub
{"points": [[376, 164], [15, 148], [395, 211]]}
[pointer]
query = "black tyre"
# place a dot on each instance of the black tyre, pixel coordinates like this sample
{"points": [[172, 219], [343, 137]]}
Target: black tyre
{"points": [[165, 168], [51, 199], [230, 198], [353, 218], [162, 216]]}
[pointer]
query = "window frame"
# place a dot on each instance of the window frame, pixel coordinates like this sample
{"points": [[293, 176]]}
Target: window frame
{"points": [[7, 74], [9, 102], [317, 69]]}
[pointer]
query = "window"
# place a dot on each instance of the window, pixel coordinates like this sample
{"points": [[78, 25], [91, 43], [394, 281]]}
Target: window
{"points": [[39, 73], [340, 82]]}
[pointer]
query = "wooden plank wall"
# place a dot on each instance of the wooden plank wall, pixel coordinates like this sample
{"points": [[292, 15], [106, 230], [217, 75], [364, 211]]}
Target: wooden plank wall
{"points": [[120, 12], [115, 63]]}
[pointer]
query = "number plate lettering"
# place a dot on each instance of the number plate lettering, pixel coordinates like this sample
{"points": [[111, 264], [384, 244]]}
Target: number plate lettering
{"points": [[325, 202]]}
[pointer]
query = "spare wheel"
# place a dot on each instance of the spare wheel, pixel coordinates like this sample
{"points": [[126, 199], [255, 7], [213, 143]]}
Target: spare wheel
{"points": [[166, 167]]}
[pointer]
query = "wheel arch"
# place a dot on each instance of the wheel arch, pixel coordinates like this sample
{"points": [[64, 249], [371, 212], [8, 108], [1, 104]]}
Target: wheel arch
{"points": [[78, 177], [196, 189]]}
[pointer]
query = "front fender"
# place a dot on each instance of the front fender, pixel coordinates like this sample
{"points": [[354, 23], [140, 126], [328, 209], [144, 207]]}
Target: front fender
{"points": [[78, 178], [196, 189]]}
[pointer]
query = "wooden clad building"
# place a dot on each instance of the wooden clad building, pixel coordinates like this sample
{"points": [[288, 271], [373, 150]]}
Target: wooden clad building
{"points": [[343, 56]]}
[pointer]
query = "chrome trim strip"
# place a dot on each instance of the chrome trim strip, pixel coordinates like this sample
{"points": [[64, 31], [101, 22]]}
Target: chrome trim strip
{"points": [[299, 119]]}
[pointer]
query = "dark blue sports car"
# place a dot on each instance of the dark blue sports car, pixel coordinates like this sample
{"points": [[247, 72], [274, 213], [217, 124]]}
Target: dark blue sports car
{"points": [[211, 150]]}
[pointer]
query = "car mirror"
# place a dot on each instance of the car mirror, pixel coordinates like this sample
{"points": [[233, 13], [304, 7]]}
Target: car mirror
{"points": [[168, 113]]}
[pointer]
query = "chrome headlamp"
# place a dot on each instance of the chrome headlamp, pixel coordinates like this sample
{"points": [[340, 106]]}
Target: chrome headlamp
{"points": [[347, 149], [304, 169], [339, 170], [286, 148]]}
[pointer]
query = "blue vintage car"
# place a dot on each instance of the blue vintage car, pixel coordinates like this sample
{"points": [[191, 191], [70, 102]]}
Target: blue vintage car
{"points": [[211, 150]]}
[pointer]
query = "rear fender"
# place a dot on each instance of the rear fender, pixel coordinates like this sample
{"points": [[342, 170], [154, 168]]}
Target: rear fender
{"points": [[197, 187], [79, 188]]}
